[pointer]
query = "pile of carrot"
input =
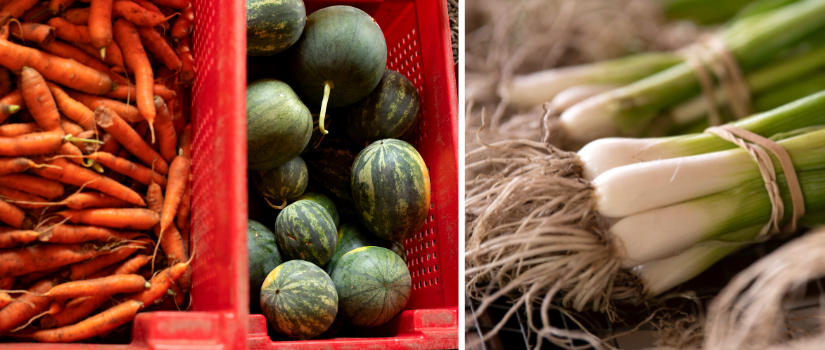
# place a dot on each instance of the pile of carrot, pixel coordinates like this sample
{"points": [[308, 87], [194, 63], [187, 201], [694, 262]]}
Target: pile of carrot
{"points": [[95, 164]]}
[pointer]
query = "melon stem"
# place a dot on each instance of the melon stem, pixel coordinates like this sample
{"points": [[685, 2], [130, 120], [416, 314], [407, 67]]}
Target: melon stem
{"points": [[328, 85], [279, 207]]}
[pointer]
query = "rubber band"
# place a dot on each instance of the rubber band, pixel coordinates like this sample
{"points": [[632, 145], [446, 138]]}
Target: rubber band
{"points": [[755, 145], [711, 54]]}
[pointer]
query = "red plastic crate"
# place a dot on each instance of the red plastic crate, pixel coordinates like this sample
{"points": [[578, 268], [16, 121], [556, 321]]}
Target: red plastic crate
{"points": [[218, 318], [418, 40]]}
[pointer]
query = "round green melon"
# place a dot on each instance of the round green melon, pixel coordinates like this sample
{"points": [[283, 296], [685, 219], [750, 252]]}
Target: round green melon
{"points": [[273, 26], [391, 111], [391, 189], [304, 230], [278, 124], [263, 256], [317, 135], [354, 235], [339, 58], [282, 184], [299, 300], [330, 167], [373, 285], [325, 202]]}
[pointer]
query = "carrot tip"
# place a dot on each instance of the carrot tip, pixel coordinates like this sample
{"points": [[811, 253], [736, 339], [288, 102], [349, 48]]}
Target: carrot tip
{"points": [[103, 53], [13, 109]]}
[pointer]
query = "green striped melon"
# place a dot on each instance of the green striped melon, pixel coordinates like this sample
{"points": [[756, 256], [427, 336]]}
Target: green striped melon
{"points": [[373, 285], [273, 26], [282, 184], [299, 300], [278, 124], [391, 189], [325, 202], [304, 230], [317, 135], [263, 257], [339, 58], [354, 235], [330, 167], [391, 111]]}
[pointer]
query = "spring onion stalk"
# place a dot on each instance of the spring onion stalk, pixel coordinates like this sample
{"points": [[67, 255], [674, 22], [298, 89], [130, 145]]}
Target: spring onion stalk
{"points": [[626, 111], [640, 187], [536, 88], [569, 97], [759, 81], [602, 155], [703, 11]]}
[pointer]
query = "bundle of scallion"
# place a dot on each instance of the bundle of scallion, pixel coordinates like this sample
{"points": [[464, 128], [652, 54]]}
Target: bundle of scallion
{"points": [[610, 222], [649, 94]]}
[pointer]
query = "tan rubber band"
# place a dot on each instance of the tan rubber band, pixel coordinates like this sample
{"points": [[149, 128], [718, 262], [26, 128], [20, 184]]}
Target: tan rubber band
{"points": [[712, 52], [739, 137]]}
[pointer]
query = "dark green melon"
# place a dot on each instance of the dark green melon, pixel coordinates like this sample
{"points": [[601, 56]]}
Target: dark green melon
{"points": [[263, 257], [325, 202], [278, 124], [299, 300], [272, 26], [354, 235], [391, 189], [317, 135], [282, 184], [339, 58], [330, 166], [391, 111], [304, 230], [373, 285]]}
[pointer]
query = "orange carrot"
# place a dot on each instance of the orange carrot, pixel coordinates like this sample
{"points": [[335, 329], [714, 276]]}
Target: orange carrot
{"points": [[6, 81], [75, 175], [70, 32], [13, 98], [39, 101], [11, 130], [157, 45], [153, 8], [68, 234], [127, 112], [79, 308], [86, 200], [31, 144], [5, 299], [176, 184], [185, 205], [160, 284], [110, 144], [171, 242], [13, 216], [82, 270], [187, 73], [37, 14], [77, 16], [57, 6], [100, 23], [120, 218], [73, 109], [6, 283], [25, 307], [16, 238], [105, 285], [17, 8], [22, 199], [61, 49], [72, 128], [138, 172], [21, 261], [38, 33], [167, 138], [98, 324], [15, 165], [129, 92], [32, 184], [69, 149], [107, 119], [56, 69], [127, 37], [184, 24], [114, 57], [136, 14], [33, 277]]}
